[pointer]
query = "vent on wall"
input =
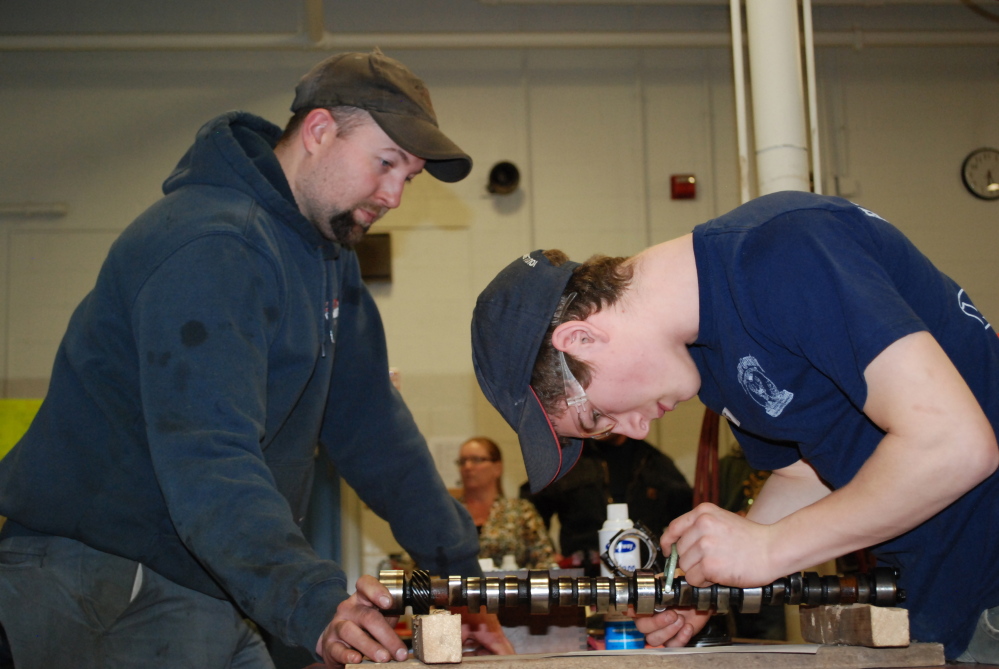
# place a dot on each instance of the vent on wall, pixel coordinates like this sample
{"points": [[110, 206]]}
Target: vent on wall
{"points": [[374, 253]]}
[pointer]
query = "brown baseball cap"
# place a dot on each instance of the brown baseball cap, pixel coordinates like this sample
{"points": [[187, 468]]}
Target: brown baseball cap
{"points": [[396, 98]]}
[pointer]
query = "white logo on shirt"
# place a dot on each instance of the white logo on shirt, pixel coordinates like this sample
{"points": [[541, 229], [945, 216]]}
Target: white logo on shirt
{"points": [[970, 310], [760, 388], [868, 212], [529, 260]]}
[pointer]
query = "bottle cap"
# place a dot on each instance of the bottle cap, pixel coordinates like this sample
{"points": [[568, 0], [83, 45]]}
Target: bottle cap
{"points": [[509, 563], [617, 512]]}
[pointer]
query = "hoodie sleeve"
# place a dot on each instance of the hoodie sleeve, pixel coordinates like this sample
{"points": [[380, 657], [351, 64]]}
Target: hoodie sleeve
{"points": [[371, 436], [203, 321]]}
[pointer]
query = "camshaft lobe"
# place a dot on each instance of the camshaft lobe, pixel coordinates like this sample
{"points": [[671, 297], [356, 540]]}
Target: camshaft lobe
{"points": [[645, 592]]}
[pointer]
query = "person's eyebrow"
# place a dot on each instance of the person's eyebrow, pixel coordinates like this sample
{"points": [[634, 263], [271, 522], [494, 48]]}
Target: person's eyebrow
{"points": [[407, 157]]}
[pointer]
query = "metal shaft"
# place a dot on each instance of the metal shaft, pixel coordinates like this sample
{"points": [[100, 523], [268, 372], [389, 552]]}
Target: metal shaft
{"points": [[644, 591]]}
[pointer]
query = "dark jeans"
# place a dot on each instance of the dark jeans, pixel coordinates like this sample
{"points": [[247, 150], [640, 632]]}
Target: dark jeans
{"points": [[64, 604], [984, 646]]}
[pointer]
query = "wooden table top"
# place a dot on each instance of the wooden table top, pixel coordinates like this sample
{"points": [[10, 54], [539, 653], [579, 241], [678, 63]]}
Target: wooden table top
{"points": [[721, 657]]}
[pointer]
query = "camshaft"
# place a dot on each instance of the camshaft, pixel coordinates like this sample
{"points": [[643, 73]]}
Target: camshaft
{"points": [[645, 591]]}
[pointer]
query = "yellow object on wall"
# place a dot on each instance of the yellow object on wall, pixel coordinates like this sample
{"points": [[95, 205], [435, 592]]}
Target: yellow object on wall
{"points": [[15, 417]]}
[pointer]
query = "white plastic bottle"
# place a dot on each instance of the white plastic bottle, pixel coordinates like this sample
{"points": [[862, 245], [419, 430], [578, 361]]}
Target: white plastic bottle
{"points": [[620, 632], [627, 553]]}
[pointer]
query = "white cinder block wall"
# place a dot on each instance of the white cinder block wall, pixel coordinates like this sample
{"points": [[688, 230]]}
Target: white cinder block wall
{"points": [[596, 134]]}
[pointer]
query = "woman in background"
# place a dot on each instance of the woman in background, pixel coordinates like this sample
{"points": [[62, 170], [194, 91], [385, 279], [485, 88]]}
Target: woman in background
{"points": [[506, 526]]}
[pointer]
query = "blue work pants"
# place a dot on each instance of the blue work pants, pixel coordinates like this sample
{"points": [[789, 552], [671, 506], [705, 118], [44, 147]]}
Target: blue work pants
{"points": [[984, 646], [64, 604]]}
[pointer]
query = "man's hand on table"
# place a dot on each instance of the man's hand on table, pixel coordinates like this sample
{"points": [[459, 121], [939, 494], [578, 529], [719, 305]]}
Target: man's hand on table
{"points": [[359, 629]]}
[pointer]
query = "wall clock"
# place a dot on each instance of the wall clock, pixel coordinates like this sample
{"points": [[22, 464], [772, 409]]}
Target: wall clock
{"points": [[980, 173]]}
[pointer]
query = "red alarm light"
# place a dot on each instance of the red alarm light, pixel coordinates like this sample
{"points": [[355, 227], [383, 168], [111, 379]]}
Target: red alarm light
{"points": [[683, 186]]}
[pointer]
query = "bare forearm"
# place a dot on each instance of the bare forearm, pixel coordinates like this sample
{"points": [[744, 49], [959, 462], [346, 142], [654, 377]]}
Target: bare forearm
{"points": [[900, 486], [786, 491], [938, 445]]}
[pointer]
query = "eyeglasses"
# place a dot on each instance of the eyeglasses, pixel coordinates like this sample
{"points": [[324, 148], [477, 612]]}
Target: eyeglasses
{"points": [[591, 423], [473, 459]]}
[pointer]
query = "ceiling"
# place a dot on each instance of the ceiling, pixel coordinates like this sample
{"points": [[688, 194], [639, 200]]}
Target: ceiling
{"points": [[106, 24]]}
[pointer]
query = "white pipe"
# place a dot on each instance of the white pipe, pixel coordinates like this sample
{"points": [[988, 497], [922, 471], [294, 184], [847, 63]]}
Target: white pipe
{"points": [[703, 3], [778, 98], [739, 74], [33, 209], [530, 40], [146, 42], [813, 113], [525, 86], [314, 20], [481, 40], [859, 38]]}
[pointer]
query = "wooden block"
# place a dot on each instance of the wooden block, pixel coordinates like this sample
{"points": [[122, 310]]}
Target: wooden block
{"points": [[855, 625], [437, 637]]}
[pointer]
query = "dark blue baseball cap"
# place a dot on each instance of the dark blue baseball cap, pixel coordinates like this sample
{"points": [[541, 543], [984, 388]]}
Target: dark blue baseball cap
{"points": [[508, 327]]}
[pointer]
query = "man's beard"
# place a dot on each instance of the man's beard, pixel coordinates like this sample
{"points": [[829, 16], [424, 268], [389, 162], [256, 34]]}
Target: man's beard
{"points": [[345, 229]]}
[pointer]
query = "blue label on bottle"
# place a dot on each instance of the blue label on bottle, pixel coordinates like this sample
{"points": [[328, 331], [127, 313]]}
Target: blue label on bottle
{"points": [[625, 546]]}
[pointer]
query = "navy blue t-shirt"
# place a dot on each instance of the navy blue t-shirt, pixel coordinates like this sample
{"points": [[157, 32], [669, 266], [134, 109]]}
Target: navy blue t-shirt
{"points": [[798, 294]]}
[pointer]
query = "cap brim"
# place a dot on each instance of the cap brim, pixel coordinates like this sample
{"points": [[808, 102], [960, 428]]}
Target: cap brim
{"points": [[545, 457], [445, 160]]}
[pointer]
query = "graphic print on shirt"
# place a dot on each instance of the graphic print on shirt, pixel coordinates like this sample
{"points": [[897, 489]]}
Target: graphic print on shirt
{"points": [[763, 391], [868, 212], [970, 309]]}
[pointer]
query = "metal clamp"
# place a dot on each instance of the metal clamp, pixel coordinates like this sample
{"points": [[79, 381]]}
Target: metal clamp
{"points": [[642, 535]]}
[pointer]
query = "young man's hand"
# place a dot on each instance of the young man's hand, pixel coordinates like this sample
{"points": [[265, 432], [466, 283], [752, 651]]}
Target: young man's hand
{"points": [[359, 629], [673, 627], [718, 546], [484, 629]]}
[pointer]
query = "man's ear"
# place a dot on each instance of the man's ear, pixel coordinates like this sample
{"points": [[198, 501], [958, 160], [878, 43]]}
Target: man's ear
{"points": [[574, 337], [317, 127]]}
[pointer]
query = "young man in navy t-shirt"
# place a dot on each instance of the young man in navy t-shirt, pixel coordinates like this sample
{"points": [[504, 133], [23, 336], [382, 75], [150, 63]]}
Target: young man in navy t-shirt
{"points": [[843, 360]]}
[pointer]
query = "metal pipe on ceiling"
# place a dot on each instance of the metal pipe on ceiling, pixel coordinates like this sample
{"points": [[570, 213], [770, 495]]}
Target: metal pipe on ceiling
{"points": [[704, 3], [857, 39], [33, 209], [314, 20]]}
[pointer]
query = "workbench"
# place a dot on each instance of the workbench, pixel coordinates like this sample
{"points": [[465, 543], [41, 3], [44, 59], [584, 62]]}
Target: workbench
{"points": [[749, 656]]}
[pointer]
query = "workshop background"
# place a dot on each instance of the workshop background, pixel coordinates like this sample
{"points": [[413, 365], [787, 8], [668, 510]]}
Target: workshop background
{"points": [[598, 103]]}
